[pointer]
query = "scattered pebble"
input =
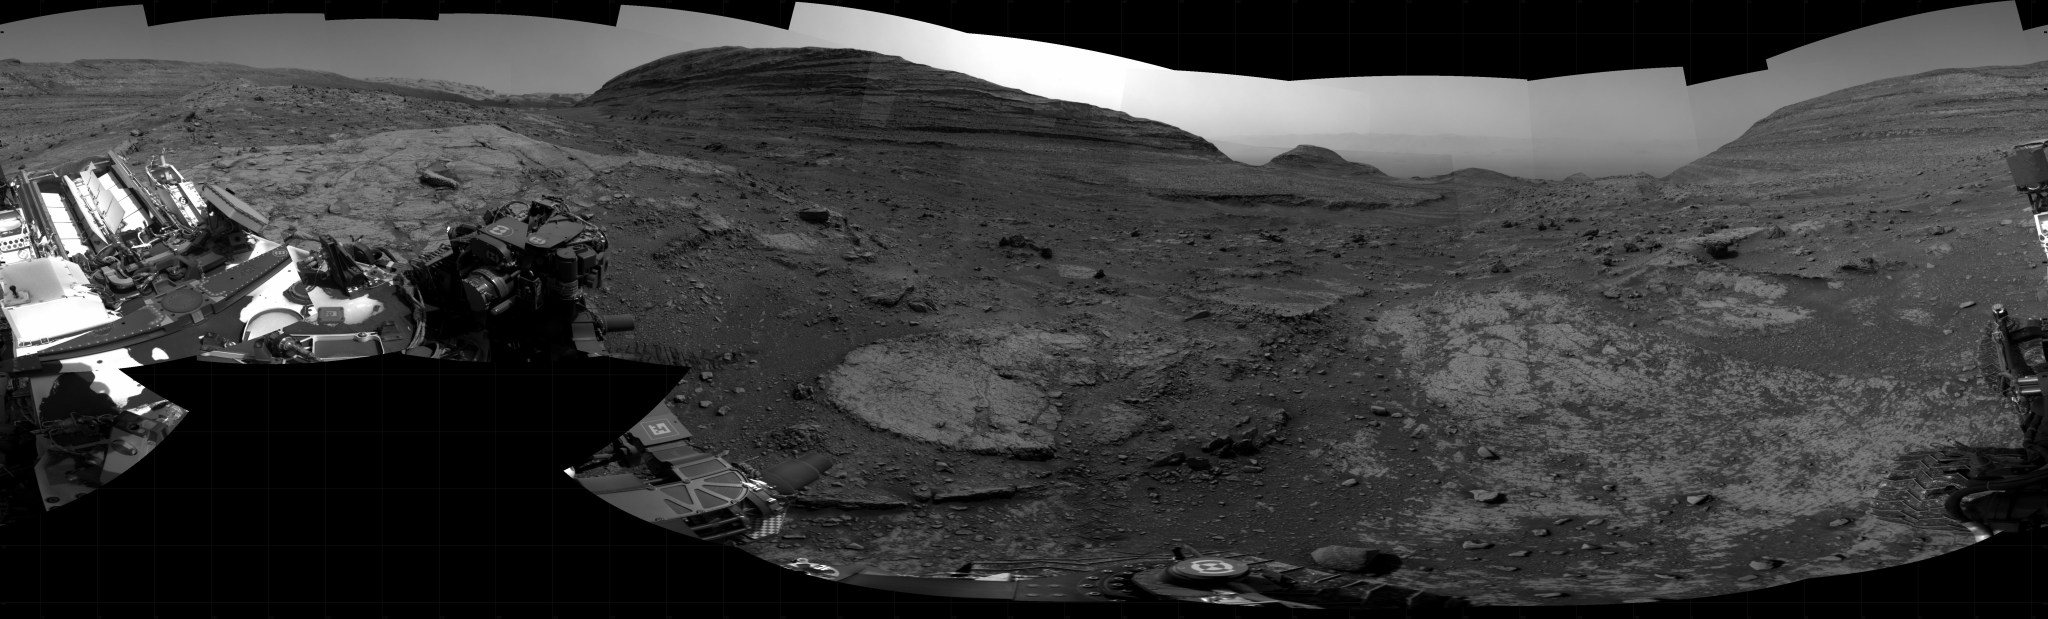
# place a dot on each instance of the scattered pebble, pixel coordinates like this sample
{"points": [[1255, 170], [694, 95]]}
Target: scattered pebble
{"points": [[1560, 521], [1506, 568], [1596, 522], [1966, 305], [1698, 499], [1762, 565], [1487, 454], [703, 404], [1833, 558], [1477, 545], [1539, 532], [1839, 522], [1519, 553], [1348, 482], [1485, 496]]}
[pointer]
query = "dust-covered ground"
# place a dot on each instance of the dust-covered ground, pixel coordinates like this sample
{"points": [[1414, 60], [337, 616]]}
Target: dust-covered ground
{"points": [[1061, 332]]}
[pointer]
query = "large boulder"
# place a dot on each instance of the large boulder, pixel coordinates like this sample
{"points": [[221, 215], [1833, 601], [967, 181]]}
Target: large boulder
{"points": [[977, 390]]}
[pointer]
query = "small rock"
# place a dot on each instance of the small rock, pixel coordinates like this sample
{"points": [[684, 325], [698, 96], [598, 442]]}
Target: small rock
{"points": [[722, 410], [1198, 315], [1171, 459], [1966, 305], [1668, 576], [1487, 453], [703, 404], [1762, 565], [1486, 496], [1838, 522], [1553, 594], [852, 546], [430, 179], [1596, 522], [1588, 547], [1477, 545], [1378, 410], [1506, 568], [1519, 553], [1540, 532], [1698, 499], [1560, 521], [706, 376], [1348, 482], [1199, 464], [1833, 558], [817, 215], [1344, 558]]}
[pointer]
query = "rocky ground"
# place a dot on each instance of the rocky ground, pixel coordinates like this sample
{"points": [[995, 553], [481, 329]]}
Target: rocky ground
{"points": [[1029, 329]]}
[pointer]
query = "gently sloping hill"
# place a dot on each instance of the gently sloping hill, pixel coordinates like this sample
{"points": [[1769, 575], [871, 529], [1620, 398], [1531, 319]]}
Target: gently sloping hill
{"points": [[1901, 125]]}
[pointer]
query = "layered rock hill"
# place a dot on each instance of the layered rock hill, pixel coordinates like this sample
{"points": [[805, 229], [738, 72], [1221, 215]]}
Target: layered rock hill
{"points": [[1311, 158], [1886, 129], [849, 88]]}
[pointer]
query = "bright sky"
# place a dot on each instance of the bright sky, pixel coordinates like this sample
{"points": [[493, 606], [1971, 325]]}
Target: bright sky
{"points": [[1214, 104], [1436, 104], [1042, 69], [1608, 123]]}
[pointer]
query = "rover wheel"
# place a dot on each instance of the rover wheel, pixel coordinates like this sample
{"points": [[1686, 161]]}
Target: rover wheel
{"points": [[1913, 492], [645, 352]]}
